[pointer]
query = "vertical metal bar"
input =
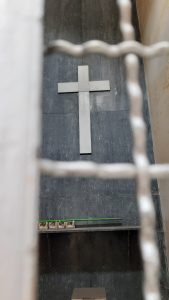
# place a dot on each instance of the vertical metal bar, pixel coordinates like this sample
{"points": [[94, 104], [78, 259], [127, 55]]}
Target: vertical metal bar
{"points": [[20, 77], [84, 110], [84, 123], [83, 78], [146, 208]]}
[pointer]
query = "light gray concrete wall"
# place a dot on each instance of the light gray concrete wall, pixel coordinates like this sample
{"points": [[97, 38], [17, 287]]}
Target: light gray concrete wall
{"points": [[21, 50], [154, 23]]}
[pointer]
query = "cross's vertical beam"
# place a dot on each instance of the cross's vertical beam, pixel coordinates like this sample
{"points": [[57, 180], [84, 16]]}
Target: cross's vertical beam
{"points": [[84, 110], [84, 123], [20, 78]]}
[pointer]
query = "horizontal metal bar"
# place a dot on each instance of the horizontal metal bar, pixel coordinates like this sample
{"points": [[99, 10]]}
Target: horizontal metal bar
{"points": [[86, 169], [68, 87], [104, 171], [97, 86], [91, 219], [159, 171], [100, 47], [92, 229]]}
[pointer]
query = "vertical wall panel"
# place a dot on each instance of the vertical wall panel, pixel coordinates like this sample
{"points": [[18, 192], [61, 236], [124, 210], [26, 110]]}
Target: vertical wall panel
{"points": [[154, 23], [20, 78]]}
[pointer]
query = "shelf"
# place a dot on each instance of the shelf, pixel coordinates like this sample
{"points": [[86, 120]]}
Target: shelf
{"points": [[91, 229]]}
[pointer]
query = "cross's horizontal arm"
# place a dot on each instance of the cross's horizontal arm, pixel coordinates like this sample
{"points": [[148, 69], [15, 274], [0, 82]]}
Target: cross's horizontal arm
{"points": [[68, 87], [99, 86]]}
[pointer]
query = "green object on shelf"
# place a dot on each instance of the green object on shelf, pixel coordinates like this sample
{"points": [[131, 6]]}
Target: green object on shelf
{"points": [[81, 220]]}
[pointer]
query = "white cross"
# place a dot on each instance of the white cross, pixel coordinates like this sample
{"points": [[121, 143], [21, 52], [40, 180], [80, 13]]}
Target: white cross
{"points": [[83, 87]]}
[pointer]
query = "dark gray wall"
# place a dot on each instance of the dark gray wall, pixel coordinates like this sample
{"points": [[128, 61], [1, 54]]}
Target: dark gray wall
{"points": [[78, 21], [90, 259]]}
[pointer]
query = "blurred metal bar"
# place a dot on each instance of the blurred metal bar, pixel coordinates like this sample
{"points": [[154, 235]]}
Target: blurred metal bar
{"points": [[105, 171], [86, 169], [149, 250], [100, 47]]}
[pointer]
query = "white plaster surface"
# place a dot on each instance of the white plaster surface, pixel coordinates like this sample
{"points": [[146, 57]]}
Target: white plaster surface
{"points": [[20, 77]]}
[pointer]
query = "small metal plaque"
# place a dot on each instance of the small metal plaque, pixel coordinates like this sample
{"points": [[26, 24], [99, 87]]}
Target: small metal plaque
{"points": [[89, 293]]}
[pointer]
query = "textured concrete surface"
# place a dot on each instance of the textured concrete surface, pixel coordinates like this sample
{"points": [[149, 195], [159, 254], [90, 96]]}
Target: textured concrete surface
{"points": [[110, 128], [111, 142]]}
